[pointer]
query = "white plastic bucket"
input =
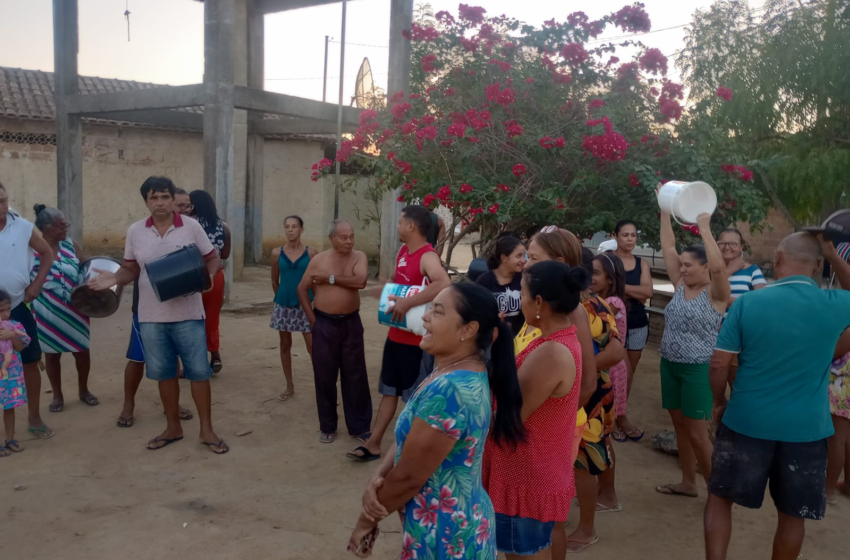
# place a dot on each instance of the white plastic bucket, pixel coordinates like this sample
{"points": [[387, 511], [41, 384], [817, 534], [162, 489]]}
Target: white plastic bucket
{"points": [[686, 200], [413, 320]]}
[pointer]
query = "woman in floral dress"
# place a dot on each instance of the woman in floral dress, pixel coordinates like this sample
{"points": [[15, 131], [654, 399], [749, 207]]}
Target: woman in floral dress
{"points": [[839, 406], [433, 479]]}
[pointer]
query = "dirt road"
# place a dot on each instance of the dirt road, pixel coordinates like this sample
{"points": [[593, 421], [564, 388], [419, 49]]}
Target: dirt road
{"points": [[95, 492]]}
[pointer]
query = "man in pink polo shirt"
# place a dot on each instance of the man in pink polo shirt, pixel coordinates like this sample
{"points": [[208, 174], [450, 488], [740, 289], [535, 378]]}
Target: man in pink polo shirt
{"points": [[175, 327]]}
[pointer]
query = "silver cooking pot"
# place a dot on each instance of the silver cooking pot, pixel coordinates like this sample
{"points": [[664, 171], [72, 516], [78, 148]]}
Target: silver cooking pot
{"points": [[96, 305]]}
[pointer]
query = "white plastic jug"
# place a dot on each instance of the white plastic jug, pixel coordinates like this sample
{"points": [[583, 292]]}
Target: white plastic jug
{"points": [[413, 320], [686, 200]]}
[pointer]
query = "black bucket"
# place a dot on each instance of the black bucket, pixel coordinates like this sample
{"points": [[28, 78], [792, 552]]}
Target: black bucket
{"points": [[181, 273], [476, 268]]}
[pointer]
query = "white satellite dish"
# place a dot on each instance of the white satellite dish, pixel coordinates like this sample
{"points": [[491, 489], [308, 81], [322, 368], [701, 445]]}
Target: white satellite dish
{"points": [[365, 92]]}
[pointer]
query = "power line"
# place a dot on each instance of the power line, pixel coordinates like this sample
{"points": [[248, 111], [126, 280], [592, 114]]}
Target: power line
{"points": [[362, 45], [319, 78]]}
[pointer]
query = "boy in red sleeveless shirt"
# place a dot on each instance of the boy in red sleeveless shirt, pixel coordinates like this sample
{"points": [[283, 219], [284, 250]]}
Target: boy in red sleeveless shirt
{"points": [[416, 262]]}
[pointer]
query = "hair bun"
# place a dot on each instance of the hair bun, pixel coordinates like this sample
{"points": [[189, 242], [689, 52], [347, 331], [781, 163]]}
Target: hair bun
{"points": [[577, 278], [37, 208]]}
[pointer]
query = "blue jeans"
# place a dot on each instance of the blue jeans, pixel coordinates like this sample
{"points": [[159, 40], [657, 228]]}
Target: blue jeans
{"points": [[165, 342], [522, 536]]}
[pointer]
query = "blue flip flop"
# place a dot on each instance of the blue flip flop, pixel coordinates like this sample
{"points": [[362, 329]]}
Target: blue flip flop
{"points": [[165, 442]]}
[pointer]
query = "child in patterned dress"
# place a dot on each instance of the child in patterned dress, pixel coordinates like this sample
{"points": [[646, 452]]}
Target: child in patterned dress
{"points": [[13, 392]]}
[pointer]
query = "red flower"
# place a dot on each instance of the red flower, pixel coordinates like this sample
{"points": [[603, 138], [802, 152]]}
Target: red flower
{"points": [[457, 129], [612, 60], [344, 151], [561, 78], [530, 80], [633, 180], [428, 133], [519, 170], [419, 33], [472, 139], [472, 14], [546, 143], [503, 66], [445, 17], [673, 90], [410, 127], [447, 502], [560, 142], [428, 63], [596, 103], [428, 200], [367, 116], [746, 175], [632, 19], [444, 193], [724, 93], [323, 163], [400, 109], [449, 92], [403, 167], [503, 97], [628, 71], [408, 549], [574, 53], [390, 156], [693, 228], [397, 96], [670, 108], [654, 61], [465, 188], [513, 129], [486, 31], [558, 205], [447, 143], [470, 45], [400, 199], [503, 188], [425, 513], [495, 208], [609, 146], [482, 532], [577, 18], [315, 176]]}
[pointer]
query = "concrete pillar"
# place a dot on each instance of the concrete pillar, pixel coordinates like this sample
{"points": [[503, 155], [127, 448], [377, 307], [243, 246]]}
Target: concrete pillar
{"points": [[218, 110], [401, 18], [256, 143], [69, 135]]}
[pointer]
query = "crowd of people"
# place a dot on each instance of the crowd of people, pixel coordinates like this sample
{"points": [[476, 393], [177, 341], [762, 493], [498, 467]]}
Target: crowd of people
{"points": [[517, 392]]}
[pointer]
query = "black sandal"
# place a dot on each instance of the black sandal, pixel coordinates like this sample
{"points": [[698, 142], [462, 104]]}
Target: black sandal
{"points": [[365, 458]]}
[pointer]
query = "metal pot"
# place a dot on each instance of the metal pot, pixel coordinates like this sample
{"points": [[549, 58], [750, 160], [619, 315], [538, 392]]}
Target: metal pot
{"points": [[96, 305]]}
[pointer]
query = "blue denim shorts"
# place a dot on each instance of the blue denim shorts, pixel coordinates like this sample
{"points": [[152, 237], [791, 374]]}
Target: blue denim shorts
{"points": [[522, 536], [135, 350], [164, 342]]}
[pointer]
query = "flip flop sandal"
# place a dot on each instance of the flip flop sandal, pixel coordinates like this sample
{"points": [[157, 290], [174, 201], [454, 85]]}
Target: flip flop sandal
{"points": [[620, 437], [185, 415], [4, 452], [584, 545], [56, 407], [635, 438], [365, 458], [42, 433], [164, 442], [602, 509], [91, 400], [13, 446], [667, 490], [223, 448], [363, 438], [327, 438], [285, 397], [216, 366], [125, 422]]}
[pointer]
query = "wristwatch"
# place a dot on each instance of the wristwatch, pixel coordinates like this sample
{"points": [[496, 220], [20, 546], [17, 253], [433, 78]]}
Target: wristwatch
{"points": [[331, 280]]}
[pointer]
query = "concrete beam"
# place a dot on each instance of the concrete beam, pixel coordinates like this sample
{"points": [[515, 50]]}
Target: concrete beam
{"points": [[255, 172], [280, 104], [295, 126], [69, 134], [401, 19], [272, 6], [163, 97], [162, 117]]}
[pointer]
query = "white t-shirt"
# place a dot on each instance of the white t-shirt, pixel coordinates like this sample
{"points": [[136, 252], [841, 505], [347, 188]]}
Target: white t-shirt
{"points": [[16, 257]]}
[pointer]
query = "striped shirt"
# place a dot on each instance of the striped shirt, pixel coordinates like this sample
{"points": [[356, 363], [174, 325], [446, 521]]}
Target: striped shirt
{"points": [[745, 280]]}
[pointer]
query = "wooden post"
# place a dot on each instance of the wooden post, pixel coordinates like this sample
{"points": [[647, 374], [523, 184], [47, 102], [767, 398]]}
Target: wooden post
{"points": [[256, 143], [69, 134], [401, 18]]}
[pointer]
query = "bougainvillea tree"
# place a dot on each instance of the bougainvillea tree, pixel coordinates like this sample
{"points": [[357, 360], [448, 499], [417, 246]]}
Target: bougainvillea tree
{"points": [[508, 125]]}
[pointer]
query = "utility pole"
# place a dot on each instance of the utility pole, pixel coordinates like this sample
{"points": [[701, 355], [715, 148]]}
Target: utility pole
{"points": [[325, 79], [339, 110]]}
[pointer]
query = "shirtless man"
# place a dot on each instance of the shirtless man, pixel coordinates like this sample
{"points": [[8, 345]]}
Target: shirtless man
{"points": [[336, 278]]}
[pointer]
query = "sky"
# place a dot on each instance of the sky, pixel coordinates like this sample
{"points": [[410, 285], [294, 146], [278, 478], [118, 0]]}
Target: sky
{"points": [[166, 37]]}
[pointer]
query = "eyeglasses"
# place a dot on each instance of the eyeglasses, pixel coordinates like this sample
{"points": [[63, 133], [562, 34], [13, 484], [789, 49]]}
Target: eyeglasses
{"points": [[730, 244], [188, 207]]}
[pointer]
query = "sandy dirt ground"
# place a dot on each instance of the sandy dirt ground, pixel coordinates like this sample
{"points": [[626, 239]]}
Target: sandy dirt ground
{"points": [[95, 492]]}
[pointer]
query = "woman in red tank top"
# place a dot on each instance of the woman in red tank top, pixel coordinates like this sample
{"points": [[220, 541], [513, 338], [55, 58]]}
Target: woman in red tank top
{"points": [[532, 487]]}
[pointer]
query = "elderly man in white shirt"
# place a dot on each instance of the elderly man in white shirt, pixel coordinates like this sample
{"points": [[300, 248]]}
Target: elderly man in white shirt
{"points": [[18, 239]]}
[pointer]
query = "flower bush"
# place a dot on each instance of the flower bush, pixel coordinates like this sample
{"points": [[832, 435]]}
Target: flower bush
{"points": [[508, 125]]}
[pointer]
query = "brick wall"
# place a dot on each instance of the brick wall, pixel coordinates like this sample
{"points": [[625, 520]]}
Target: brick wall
{"points": [[763, 245]]}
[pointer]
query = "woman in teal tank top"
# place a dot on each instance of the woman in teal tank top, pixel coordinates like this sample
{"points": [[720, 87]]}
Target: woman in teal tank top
{"points": [[288, 265]]}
